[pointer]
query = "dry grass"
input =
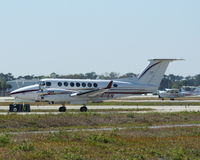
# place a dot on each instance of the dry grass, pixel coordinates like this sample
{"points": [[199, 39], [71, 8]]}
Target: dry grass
{"points": [[131, 144], [137, 144], [15, 122]]}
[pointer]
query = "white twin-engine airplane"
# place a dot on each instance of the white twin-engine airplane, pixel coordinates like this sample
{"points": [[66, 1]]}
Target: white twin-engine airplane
{"points": [[78, 91]]}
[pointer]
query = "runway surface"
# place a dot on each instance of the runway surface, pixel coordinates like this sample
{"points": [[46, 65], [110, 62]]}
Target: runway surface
{"points": [[104, 107], [154, 109]]}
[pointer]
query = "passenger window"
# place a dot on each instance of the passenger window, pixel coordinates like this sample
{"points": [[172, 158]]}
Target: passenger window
{"points": [[83, 85], [89, 85], [48, 84], [115, 85], [72, 84], [65, 84], [77, 84], [95, 85], [59, 84]]}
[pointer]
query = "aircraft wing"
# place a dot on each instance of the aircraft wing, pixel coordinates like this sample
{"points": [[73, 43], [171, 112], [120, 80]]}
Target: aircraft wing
{"points": [[94, 92]]}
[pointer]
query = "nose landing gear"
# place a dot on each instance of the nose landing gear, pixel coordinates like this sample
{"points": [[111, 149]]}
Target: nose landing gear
{"points": [[19, 108]]}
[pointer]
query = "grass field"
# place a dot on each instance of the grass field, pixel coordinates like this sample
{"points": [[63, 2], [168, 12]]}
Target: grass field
{"points": [[14, 122], [131, 144], [137, 144]]}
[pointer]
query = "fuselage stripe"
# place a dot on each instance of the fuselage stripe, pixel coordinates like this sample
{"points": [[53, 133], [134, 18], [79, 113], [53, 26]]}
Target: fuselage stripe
{"points": [[26, 91], [148, 69]]}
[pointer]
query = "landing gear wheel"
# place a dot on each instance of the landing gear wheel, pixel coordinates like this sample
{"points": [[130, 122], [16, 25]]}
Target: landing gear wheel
{"points": [[62, 109], [83, 109], [15, 109], [19, 108]]}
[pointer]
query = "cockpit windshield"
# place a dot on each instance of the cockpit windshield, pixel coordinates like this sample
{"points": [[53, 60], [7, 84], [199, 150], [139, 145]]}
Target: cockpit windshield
{"points": [[45, 83], [42, 83]]}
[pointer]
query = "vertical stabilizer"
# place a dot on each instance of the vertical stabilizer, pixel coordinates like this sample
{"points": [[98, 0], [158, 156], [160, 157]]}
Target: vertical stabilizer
{"points": [[154, 72]]}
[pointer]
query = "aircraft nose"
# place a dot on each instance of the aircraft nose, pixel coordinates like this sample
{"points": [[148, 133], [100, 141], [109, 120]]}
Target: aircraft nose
{"points": [[24, 90], [15, 93]]}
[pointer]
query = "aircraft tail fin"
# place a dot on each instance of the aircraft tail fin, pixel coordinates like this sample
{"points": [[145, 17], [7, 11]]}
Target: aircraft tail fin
{"points": [[154, 72]]}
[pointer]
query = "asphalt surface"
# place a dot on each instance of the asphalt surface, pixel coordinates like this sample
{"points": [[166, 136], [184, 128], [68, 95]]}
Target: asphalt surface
{"points": [[154, 108]]}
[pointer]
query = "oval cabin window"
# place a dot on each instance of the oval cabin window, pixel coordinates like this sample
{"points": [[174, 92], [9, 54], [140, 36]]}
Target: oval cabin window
{"points": [[89, 85], [83, 84], [72, 84], [65, 84], [77, 84]]}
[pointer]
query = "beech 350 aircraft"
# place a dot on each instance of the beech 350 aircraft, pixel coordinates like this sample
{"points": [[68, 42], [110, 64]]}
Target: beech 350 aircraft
{"points": [[78, 91]]}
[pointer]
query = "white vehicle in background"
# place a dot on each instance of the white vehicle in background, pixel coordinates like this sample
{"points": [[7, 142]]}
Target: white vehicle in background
{"points": [[170, 93], [190, 90], [175, 93], [79, 91]]}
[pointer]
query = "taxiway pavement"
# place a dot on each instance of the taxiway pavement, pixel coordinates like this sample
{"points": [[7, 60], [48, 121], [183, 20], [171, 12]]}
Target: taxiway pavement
{"points": [[160, 108], [154, 109]]}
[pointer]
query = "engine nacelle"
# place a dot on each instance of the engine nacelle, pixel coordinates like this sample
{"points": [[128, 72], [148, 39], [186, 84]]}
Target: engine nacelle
{"points": [[55, 95]]}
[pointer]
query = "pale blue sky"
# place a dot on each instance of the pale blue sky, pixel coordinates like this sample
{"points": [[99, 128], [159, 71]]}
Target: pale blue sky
{"points": [[78, 36]]}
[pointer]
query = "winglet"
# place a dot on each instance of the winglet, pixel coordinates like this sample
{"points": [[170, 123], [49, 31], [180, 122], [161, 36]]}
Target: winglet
{"points": [[109, 85]]}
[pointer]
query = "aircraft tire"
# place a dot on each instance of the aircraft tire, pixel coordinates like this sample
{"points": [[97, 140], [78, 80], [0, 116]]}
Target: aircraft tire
{"points": [[11, 107], [19, 108], [83, 109], [15, 109], [62, 109], [27, 108]]}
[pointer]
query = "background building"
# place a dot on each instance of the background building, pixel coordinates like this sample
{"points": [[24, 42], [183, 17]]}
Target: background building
{"points": [[15, 84]]}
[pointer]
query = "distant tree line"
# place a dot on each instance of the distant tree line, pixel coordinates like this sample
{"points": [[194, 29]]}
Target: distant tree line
{"points": [[3, 81], [169, 81], [173, 81]]}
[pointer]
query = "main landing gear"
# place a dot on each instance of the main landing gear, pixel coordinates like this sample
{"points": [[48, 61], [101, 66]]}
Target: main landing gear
{"points": [[82, 109], [62, 108]]}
